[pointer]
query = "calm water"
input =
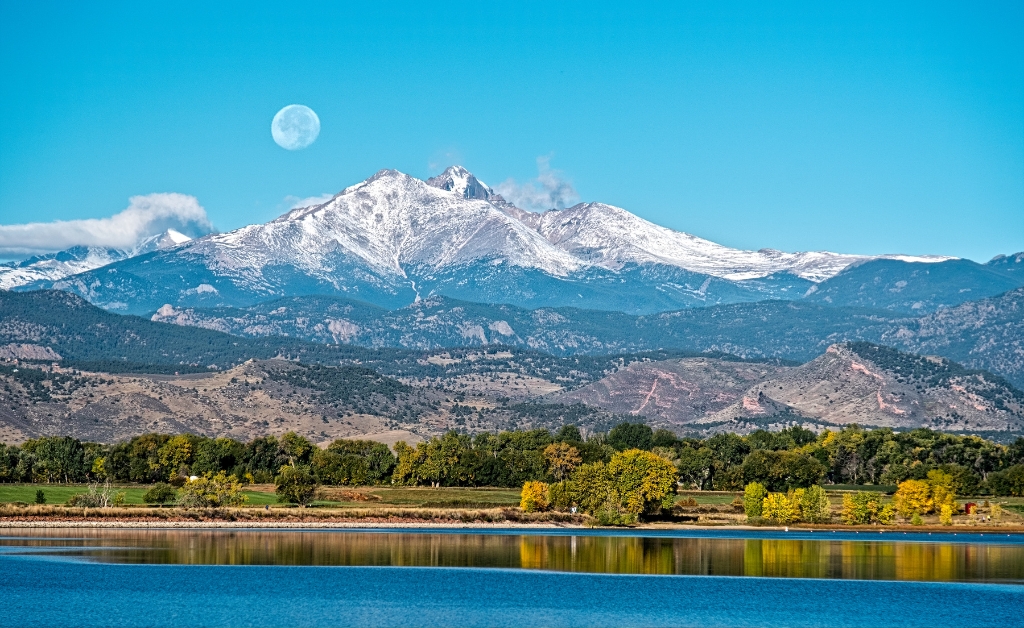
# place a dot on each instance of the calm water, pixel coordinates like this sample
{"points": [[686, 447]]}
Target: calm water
{"points": [[508, 578]]}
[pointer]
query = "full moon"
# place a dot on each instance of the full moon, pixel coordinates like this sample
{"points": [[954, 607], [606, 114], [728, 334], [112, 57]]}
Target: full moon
{"points": [[295, 127]]}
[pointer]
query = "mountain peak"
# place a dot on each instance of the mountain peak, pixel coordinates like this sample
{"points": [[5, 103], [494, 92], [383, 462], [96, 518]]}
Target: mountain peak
{"points": [[461, 181]]}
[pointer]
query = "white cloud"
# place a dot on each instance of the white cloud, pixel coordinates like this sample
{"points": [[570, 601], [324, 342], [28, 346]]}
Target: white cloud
{"points": [[549, 190], [294, 202], [145, 216]]}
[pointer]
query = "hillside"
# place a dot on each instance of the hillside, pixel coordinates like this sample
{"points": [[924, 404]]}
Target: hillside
{"points": [[985, 334], [274, 397], [56, 326], [850, 383]]}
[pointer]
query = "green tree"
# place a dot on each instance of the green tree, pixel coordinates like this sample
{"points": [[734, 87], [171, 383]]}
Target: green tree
{"points": [[631, 436], [1008, 482], [560, 495], [696, 467], [176, 455], [753, 499], [297, 448], [40, 496], [865, 507], [815, 506], [591, 486], [643, 481], [296, 485]]}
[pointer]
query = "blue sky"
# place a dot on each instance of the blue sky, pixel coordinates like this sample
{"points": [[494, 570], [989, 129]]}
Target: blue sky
{"points": [[861, 128]]}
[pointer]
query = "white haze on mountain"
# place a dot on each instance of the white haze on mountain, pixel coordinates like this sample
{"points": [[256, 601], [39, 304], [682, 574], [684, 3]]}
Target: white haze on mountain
{"points": [[550, 190]]}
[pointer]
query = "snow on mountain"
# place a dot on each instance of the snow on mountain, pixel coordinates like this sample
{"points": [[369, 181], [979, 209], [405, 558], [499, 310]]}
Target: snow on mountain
{"points": [[392, 239], [610, 237], [463, 183], [79, 259], [386, 224]]}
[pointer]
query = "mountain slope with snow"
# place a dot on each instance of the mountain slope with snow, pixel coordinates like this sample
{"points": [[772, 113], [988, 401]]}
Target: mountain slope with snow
{"points": [[392, 239], [56, 266]]}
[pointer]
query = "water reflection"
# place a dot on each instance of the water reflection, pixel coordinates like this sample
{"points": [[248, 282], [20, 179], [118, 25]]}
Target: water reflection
{"points": [[770, 557]]}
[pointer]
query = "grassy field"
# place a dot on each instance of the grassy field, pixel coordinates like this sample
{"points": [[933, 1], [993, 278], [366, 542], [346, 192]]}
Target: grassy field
{"points": [[424, 497], [61, 493], [705, 498], [334, 496]]}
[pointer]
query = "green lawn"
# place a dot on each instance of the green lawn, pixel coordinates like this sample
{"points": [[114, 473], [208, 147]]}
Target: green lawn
{"points": [[875, 488], [706, 499], [389, 496], [435, 497], [61, 493]]}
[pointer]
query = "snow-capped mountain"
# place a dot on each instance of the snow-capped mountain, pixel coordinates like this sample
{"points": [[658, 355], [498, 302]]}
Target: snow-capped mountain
{"points": [[79, 259], [393, 238], [611, 237]]}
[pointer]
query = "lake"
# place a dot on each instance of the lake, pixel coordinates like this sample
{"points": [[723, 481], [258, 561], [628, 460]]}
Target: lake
{"points": [[517, 578]]}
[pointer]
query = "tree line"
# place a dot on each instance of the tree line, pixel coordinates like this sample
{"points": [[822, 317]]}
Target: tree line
{"points": [[780, 461]]}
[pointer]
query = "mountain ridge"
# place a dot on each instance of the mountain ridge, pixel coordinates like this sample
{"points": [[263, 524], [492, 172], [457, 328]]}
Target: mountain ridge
{"points": [[392, 239]]}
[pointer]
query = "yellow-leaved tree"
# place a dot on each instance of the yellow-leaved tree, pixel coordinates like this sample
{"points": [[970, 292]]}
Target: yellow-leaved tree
{"points": [[645, 482], [591, 487], [562, 459], [211, 491], [778, 508], [913, 497], [946, 515], [534, 497], [942, 490], [753, 499]]}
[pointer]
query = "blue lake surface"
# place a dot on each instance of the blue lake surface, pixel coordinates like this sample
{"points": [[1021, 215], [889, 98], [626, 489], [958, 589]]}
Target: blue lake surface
{"points": [[506, 578]]}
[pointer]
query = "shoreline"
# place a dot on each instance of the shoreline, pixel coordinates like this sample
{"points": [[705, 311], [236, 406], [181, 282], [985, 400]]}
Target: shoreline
{"points": [[374, 524]]}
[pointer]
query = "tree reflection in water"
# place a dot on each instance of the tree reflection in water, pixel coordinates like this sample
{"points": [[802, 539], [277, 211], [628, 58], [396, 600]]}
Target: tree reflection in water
{"points": [[592, 553]]}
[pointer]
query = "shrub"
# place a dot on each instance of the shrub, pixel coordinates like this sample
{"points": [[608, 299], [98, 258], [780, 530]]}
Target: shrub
{"points": [[753, 499], [161, 493], [211, 491], [887, 515], [40, 496], [946, 515], [534, 497], [777, 508], [94, 497], [996, 511], [916, 520]]}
